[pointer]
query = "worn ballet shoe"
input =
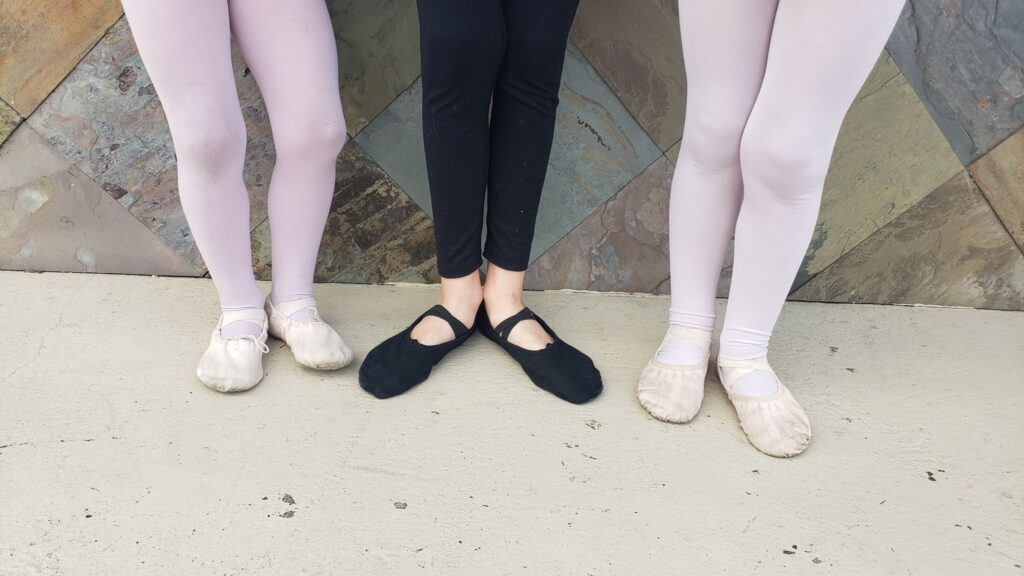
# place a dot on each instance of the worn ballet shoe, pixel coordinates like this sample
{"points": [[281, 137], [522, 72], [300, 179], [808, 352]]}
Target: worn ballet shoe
{"points": [[314, 343], [775, 424], [235, 364], [674, 392]]}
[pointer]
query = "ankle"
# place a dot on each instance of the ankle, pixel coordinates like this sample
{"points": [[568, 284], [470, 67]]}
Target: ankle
{"points": [[462, 297]]}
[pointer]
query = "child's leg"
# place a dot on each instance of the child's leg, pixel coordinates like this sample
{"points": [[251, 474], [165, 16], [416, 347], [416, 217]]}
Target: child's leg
{"points": [[290, 49], [186, 47], [821, 52]]}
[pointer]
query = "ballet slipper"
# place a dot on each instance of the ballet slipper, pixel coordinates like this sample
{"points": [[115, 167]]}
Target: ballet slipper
{"points": [[775, 424], [236, 364], [674, 392], [314, 344]]}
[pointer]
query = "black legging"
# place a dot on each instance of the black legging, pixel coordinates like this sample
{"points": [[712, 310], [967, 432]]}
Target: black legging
{"points": [[491, 73]]}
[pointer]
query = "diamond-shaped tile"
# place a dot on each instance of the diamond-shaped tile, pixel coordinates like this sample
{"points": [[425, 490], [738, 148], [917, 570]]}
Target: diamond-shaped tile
{"points": [[107, 117], [378, 54], [949, 249], [53, 218], [374, 233], [9, 120], [965, 61], [598, 148], [890, 154], [1000, 175], [636, 48], [42, 40]]}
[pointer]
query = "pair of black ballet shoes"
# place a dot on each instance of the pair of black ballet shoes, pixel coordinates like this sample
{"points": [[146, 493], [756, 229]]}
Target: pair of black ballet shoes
{"points": [[400, 362]]}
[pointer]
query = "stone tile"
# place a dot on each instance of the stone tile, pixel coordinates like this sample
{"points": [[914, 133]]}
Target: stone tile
{"points": [[26, 157], [890, 154], [42, 40], [965, 60], [673, 153], [598, 148], [621, 247], [636, 48], [1000, 175], [378, 54], [63, 222], [949, 249], [374, 233], [107, 118], [9, 120]]}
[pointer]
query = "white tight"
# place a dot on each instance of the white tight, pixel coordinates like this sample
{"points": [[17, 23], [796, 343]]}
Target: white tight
{"points": [[768, 85], [290, 50]]}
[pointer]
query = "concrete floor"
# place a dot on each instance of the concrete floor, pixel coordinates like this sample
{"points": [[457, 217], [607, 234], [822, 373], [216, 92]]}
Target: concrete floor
{"points": [[115, 460]]}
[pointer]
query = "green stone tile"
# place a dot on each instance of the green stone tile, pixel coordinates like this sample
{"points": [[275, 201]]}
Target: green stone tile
{"points": [[374, 233], [890, 154], [949, 249], [1000, 175], [42, 40], [636, 48], [9, 120], [598, 148], [378, 54]]}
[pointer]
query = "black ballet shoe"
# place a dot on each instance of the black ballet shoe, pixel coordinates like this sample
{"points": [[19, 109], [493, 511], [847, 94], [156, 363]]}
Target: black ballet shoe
{"points": [[399, 363], [559, 368]]}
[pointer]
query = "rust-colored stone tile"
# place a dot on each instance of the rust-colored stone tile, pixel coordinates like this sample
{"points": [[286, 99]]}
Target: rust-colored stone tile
{"points": [[63, 222], [42, 40], [9, 120], [636, 48], [1000, 175], [949, 249], [375, 232]]}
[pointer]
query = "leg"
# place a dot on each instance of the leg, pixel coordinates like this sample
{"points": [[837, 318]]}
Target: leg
{"points": [[820, 54], [289, 46], [522, 129], [186, 48], [725, 46], [786, 150], [461, 46], [291, 52]]}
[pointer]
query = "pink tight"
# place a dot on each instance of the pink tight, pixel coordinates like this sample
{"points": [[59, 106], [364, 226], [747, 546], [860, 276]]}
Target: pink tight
{"points": [[290, 50], [769, 83]]}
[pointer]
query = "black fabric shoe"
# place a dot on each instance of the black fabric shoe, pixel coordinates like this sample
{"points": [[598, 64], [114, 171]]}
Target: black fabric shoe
{"points": [[399, 363], [559, 368]]}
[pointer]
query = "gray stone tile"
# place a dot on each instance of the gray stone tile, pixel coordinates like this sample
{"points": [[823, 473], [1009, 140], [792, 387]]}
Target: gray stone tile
{"points": [[598, 148], [965, 59], [949, 249]]}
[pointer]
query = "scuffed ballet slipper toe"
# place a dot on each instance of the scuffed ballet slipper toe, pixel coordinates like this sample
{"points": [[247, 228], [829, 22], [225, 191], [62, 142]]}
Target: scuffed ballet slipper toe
{"points": [[314, 343], [236, 364], [775, 424], [674, 392]]}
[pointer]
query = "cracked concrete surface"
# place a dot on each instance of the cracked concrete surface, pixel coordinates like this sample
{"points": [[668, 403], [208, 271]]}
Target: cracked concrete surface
{"points": [[115, 460]]}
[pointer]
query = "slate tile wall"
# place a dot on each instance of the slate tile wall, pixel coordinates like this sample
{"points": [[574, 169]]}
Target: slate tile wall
{"points": [[924, 202]]}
